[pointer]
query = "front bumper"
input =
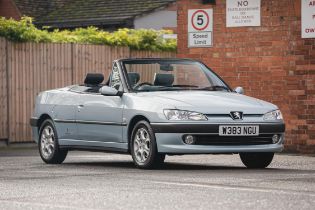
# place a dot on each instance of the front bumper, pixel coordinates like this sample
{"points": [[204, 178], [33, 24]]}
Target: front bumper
{"points": [[169, 138]]}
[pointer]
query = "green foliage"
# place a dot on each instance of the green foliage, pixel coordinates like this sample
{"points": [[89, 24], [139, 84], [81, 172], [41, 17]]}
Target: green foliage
{"points": [[142, 39]]}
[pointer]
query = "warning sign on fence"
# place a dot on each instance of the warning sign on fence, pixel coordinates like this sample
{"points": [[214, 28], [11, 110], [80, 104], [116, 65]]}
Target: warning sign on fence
{"points": [[200, 27]]}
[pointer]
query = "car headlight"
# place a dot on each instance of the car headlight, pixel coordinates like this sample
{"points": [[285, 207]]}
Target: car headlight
{"points": [[175, 114], [274, 115]]}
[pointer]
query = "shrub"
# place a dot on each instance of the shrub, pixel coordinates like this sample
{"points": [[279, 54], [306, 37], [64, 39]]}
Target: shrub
{"points": [[141, 39]]}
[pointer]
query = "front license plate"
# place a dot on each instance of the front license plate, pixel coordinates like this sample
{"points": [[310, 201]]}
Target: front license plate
{"points": [[238, 130]]}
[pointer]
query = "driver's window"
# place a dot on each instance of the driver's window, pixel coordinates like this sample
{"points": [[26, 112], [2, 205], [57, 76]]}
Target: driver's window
{"points": [[115, 80]]}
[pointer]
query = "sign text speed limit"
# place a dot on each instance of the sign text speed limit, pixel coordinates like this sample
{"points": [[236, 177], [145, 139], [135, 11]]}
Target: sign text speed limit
{"points": [[200, 25]]}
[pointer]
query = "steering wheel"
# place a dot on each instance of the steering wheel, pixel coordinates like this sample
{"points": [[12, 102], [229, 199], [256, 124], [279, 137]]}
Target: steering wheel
{"points": [[143, 83]]}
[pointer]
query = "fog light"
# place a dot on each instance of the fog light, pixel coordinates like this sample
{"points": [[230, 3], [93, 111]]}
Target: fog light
{"points": [[189, 139], [275, 138]]}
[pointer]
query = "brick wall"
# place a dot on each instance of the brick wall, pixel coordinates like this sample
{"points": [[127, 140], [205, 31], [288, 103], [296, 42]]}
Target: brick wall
{"points": [[8, 9], [272, 62]]}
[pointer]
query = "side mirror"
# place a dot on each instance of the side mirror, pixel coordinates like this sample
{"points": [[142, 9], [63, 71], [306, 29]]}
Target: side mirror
{"points": [[239, 90], [109, 91]]}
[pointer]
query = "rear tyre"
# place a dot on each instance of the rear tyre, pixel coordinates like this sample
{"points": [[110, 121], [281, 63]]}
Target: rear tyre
{"points": [[256, 160], [143, 147], [48, 144]]}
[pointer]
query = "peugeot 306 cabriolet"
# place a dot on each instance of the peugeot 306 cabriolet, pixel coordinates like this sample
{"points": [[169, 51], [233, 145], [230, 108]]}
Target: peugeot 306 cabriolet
{"points": [[151, 108]]}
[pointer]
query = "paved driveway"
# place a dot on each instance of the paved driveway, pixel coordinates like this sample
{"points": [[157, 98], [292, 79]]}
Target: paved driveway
{"points": [[109, 181]]}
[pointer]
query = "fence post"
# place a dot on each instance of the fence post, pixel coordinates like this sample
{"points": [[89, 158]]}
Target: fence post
{"points": [[72, 64], [7, 89]]}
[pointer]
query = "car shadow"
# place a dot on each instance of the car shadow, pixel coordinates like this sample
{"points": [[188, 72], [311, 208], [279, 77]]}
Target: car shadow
{"points": [[114, 164], [165, 166], [172, 166]]}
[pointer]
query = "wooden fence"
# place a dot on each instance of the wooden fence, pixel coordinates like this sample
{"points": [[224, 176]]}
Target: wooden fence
{"points": [[3, 91], [28, 68]]}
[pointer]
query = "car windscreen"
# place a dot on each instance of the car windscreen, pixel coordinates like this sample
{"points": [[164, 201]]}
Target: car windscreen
{"points": [[171, 75]]}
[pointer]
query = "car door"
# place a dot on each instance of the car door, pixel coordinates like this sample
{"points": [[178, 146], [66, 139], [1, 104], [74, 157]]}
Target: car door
{"points": [[100, 118], [63, 114]]}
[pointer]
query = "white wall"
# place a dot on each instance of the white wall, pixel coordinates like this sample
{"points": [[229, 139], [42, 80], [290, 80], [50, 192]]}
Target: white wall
{"points": [[157, 20]]}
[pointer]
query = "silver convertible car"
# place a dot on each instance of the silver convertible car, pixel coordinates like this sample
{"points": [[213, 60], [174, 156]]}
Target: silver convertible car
{"points": [[151, 108]]}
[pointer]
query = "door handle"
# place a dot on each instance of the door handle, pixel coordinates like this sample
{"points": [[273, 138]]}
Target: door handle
{"points": [[80, 107]]}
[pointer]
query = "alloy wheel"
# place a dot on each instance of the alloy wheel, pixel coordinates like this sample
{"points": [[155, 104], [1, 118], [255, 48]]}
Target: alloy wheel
{"points": [[142, 145], [47, 141]]}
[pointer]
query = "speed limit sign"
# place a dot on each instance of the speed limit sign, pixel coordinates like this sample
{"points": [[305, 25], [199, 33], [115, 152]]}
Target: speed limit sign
{"points": [[200, 27]]}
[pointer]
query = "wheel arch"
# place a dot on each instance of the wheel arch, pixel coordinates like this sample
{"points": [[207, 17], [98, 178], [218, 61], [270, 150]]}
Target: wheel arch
{"points": [[42, 118], [132, 124]]}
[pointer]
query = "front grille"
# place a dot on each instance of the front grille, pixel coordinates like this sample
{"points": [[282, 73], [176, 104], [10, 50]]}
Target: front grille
{"points": [[229, 116], [232, 140]]}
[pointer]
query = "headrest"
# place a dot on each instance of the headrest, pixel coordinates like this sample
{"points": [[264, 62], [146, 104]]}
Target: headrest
{"points": [[133, 77], [163, 79], [93, 79]]}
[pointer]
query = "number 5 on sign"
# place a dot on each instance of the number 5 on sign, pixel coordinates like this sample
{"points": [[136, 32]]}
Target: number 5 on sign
{"points": [[200, 19], [200, 27]]}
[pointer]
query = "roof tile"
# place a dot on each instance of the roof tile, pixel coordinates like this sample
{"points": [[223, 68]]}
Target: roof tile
{"points": [[70, 12]]}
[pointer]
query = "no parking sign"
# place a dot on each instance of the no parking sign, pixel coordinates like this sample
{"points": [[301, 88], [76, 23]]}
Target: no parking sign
{"points": [[200, 27]]}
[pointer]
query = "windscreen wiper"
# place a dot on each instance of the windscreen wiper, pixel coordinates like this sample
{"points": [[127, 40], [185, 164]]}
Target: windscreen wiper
{"points": [[169, 89], [214, 88], [193, 86]]}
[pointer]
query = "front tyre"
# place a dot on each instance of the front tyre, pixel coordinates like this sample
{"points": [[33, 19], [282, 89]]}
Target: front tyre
{"points": [[257, 160], [143, 147], [48, 144]]}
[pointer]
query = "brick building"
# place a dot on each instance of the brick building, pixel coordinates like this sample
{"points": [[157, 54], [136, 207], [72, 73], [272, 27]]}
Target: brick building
{"points": [[271, 61], [9, 10]]}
